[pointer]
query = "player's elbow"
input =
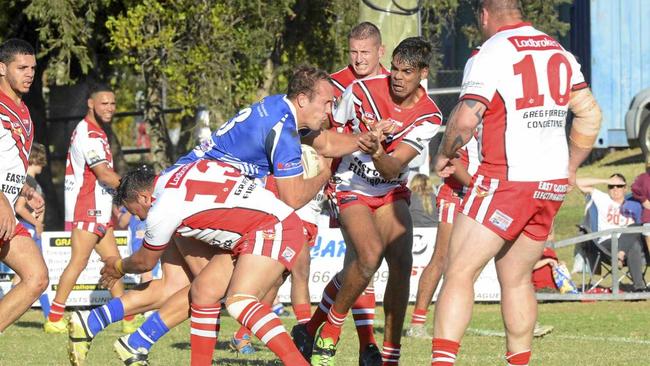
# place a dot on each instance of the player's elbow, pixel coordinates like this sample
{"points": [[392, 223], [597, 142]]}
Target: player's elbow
{"points": [[587, 119]]}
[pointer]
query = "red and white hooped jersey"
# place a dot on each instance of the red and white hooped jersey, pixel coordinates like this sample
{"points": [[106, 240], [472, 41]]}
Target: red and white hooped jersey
{"points": [[16, 137], [211, 201], [414, 126], [525, 78], [87, 199]]}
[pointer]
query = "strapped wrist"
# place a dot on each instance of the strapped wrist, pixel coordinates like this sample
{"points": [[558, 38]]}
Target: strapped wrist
{"points": [[119, 266]]}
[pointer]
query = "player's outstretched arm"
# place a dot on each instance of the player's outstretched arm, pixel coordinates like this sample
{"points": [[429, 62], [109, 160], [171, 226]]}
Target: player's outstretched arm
{"points": [[106, 175], [332, 144], [584, 130], [298, 191]]}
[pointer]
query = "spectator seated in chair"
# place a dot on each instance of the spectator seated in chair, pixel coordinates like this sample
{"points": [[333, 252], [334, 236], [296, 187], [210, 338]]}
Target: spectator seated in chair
{"points": [[613, 210]]}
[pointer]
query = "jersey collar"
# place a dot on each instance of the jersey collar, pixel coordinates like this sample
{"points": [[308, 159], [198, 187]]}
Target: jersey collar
{"points": [[293, 110], [514, 26]]}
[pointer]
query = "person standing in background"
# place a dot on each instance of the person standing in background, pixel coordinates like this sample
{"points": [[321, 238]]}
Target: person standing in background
{"points": [[89, 180]]}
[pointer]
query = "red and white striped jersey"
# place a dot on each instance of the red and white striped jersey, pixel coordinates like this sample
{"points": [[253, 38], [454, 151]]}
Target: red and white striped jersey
{"points": [[211, 201], [86, 199], [414, 126], [525, 78], [16, 137], [344, 77]]}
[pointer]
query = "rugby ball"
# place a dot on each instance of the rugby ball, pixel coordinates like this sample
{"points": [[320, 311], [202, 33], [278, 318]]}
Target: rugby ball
{"points": [[310, 161]]}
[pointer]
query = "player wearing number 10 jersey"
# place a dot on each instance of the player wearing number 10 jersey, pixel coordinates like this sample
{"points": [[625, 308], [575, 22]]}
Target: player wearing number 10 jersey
{"points": [[520, 85]]}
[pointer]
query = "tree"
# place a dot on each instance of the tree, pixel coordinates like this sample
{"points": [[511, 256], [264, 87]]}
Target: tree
{"points": [[543, 14]]}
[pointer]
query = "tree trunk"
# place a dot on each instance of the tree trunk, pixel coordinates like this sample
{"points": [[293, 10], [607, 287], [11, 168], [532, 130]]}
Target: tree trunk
{"points": [[161, 147]]}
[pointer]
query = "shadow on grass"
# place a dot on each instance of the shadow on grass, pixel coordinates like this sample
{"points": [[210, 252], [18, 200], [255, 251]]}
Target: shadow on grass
{"points": [[186, 345], [243, 361], [36, 325], [634, 159]]}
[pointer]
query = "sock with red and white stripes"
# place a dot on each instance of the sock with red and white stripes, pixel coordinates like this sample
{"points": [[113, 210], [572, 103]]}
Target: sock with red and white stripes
{"points": [[390, 354], [518, 359], [268, 328], [332, 327], [204, 330], [320, 314], [302, 312], [363, 312], [443, 352], [419, 316], [56, 311]]}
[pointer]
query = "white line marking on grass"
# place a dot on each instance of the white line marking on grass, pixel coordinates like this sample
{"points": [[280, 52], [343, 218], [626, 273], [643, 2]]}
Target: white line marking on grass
{"points": [[495, 333]]}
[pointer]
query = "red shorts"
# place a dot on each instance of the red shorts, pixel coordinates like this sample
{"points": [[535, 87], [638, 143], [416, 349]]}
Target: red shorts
{"points": [[347, 199], [19, 231], [512, 208], [448, 202], [96, 228], [281, 241], [311, 232]]}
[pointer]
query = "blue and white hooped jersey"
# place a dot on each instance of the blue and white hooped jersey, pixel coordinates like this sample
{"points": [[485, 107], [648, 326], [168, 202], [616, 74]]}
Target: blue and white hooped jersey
{"points": [[261, 139]]}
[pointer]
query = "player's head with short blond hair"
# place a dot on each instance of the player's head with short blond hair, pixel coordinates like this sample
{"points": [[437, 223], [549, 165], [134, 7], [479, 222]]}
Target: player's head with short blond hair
{"points": [[365, 30]]}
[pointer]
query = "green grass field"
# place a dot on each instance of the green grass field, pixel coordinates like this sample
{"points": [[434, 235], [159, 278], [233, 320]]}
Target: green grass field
{"points": [[600, 333]]}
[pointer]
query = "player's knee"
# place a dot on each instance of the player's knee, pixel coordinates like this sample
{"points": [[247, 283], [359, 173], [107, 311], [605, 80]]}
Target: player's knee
{"points": [[237, 303], [37, 282], [369, 267]]}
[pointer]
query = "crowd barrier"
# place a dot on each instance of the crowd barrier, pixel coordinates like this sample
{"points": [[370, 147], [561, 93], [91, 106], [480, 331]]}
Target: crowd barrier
{"points": [[327, 259]]}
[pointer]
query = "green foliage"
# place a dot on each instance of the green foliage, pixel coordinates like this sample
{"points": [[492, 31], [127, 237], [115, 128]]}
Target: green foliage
{"points": [[65, 30], [543, 14], [437, 17]]}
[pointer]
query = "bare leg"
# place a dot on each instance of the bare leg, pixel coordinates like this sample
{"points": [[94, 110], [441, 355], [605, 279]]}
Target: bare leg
{"points": [[82, 243], [23, 256], [300, 278], [358, 222], [433, 271], [514, 265], [470, 248], [397, 232]]}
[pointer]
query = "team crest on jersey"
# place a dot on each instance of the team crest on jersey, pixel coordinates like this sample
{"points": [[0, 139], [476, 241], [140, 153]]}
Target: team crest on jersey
{"points": [[288, 254], [482, 191], [27, 125], [268, 234]]}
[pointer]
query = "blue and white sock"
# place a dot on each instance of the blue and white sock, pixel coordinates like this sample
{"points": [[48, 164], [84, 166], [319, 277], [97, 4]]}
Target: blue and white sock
{"points": [[149, 332], [278, 308], [100, 318]]}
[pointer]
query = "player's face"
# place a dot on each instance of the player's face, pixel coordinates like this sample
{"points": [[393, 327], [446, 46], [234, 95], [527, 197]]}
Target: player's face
{"points": [[405, 79], [19, 73], [140, 205], [103, 106], [365, 55], [315, 109]]}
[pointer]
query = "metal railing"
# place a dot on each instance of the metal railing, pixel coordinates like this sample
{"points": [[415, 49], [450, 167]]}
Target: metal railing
{"points": [[616, 294]]}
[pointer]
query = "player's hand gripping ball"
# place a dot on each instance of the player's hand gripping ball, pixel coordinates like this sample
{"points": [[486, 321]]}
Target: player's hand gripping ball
{"points": [[310, 161]]}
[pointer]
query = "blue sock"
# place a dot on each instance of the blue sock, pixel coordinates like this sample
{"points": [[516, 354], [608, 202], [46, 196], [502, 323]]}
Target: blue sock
{"points": [[102, 316], [149, 332]]}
